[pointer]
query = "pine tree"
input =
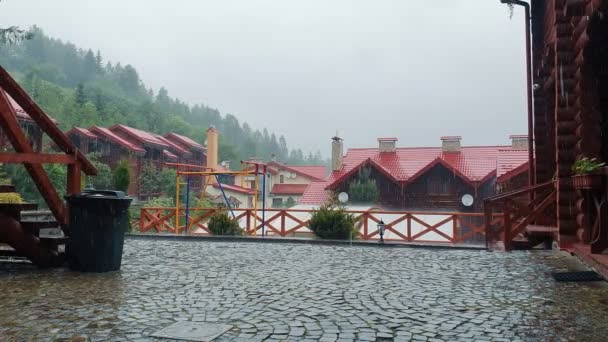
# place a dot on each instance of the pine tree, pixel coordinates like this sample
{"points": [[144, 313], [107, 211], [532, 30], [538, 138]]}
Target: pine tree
{"points": [[99, 62]]}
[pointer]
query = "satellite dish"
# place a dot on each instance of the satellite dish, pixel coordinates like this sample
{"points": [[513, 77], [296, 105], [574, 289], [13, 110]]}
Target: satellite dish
{"points": [[467, 200], [343, 197]]}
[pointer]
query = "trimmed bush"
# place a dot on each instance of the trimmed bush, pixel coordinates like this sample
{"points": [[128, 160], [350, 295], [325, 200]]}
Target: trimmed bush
{"points": [[222, 224], [330, 221], [121, 176]]}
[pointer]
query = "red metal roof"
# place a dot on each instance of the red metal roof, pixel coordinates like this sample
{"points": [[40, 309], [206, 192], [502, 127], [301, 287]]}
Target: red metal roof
{"points": [[130, 145], [510, 163], [235, 188], [142, 136], [183, 140], [288, 189], [81, 131], [315, 172], [315, 194], [21, 114], [473, 164], [175, 147], [169, 155]]}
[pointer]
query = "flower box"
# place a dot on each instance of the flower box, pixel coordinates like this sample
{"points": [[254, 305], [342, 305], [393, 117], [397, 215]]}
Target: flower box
{"points": [[587, 182]]}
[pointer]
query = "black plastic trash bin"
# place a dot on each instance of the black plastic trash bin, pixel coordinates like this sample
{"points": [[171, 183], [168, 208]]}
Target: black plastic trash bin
{"points": [[98, 221]]}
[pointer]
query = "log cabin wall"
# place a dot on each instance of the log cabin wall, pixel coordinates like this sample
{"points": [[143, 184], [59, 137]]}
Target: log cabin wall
{"points": [[569, 56]]}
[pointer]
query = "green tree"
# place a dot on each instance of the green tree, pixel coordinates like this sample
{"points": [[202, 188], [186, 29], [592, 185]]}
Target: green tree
{"points": [[121, 176], [149, 179], [103, 179], [363, 189], [290, 202]]}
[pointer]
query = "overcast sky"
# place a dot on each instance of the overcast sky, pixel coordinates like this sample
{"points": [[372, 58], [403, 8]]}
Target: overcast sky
{"points": [[415, 70]]}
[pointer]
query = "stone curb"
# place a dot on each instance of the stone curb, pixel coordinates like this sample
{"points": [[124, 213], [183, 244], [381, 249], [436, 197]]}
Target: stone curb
{"points": [[304, 241]]}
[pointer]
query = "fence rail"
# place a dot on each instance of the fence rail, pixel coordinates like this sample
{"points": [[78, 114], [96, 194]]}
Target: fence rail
{"points": [[446, 227]]}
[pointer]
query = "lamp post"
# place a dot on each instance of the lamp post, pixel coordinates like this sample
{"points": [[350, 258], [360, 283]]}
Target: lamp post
{"points": [[381, 229], [526, 6]]}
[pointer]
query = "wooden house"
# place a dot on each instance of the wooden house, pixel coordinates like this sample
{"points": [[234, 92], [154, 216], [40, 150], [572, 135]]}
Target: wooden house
{"points": [[424, 178], [138, 147]]}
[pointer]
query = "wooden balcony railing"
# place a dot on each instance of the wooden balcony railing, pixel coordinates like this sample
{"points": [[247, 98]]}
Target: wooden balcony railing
{"points": [[440, 227], [518, 210]]}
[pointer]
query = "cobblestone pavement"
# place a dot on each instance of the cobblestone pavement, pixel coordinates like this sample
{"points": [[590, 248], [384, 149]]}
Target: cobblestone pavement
{"points": [[307, 292]]}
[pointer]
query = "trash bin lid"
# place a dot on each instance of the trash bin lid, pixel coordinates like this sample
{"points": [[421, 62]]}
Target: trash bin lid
{"points": [[102, 194]]}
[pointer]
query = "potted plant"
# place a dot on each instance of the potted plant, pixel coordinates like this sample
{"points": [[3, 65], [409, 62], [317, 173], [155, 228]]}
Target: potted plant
{"points": [[586, 175]]}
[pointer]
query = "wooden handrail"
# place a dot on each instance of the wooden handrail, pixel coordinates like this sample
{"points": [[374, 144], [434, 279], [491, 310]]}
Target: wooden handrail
{"points": [[514, 193]]}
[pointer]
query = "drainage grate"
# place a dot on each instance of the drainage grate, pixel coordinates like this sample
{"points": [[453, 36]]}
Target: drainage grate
{"points": [[576, 276], [192, 331]]}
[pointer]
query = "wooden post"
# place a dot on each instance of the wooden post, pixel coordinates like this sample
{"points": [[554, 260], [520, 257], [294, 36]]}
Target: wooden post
{"points": [[364, 218], [409, 227], [282, 223], [141, 219], [506, 235], [454, 229], [74, 180], [487, 209]]}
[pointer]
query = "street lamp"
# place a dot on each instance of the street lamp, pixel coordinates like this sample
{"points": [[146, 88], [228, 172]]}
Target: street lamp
{"points": [[381, 229], [526, 6]]}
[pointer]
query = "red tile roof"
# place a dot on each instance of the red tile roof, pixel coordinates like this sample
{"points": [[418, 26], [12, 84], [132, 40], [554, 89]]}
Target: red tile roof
{"points": [[235, 188], [510, 163], [130, 145], [315, 194], [142, 136], [288, 189], [472, 164], [316, 172], [183, 140]]}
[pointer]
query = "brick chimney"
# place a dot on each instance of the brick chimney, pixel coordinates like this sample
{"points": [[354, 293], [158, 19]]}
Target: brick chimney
{"points": [[212, 147], [387, 145], [450, 143], [337, 151], [519, 142]]}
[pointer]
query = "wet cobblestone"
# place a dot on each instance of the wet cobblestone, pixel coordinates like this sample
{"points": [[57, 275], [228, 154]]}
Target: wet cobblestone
{"points": [[279, 292]]}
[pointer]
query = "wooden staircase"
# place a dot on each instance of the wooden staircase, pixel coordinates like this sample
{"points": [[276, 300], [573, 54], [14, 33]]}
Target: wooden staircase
{"points": [[40, 224], [527, 220]]}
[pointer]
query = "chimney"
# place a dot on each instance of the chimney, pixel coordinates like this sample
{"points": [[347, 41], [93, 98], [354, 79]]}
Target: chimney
{"points": [[337, 151], [212, 147], [519, 142], [450, 143], [387, 145]]}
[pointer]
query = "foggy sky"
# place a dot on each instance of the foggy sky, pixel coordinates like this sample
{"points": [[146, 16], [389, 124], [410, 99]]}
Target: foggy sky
{"points": [[415, 70]]}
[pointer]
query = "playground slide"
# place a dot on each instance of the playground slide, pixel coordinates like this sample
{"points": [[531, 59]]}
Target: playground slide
{"points": [[26, 244]]}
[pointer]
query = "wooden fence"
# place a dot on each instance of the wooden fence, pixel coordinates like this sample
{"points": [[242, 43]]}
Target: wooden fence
{"points": [[446, 227]]}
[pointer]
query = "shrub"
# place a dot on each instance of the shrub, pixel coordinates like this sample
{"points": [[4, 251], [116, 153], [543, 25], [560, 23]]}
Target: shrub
{"points": [[121, 176], [330, 221], [222, 224]]}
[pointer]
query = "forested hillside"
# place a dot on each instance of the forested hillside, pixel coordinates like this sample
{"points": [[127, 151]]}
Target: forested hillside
{"points": [[79, 88]]}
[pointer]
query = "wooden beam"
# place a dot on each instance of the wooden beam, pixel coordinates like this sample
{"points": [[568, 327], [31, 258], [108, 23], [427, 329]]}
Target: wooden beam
{"points": [[36, 158], [73, 184], [43, 121], [14, 133]]}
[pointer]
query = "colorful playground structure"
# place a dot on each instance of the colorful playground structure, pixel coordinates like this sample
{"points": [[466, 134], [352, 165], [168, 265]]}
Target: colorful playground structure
{"points": [[211, 176]]}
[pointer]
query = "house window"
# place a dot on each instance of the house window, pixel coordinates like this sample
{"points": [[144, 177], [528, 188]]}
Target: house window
{"points": [[281, 179], [277, 202]]}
